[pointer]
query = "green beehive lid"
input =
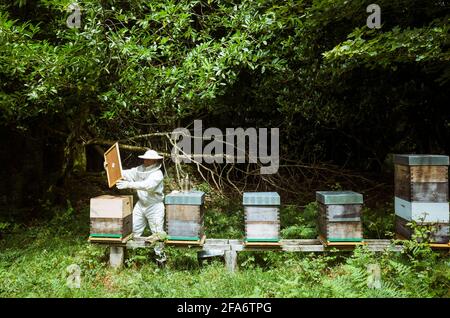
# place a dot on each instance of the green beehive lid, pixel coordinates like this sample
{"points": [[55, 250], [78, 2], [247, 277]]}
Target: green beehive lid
{"points": [[339, 197], [261, 198], [185, 198], [421, 160]]}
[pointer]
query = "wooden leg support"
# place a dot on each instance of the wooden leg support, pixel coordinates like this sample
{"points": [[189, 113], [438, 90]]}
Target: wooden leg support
{"points": [[231, 260], [116, 256]]}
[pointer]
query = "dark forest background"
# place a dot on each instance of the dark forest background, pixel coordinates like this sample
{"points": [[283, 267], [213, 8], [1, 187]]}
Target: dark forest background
{"points": [[344, 96]]}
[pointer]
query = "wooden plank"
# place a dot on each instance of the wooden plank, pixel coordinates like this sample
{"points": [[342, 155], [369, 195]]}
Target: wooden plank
{"points": [[344, 230], [440, 245], [197, 243], [341, 212], [421, 183], [108, 240], [275, 223], [109, 206], [260, 231], [114, 165], [429, 173], [339, 230], [261, 213], [429, 192], [402, 182], [184, 228], [122, 226], [116, 256], [263, 244], [231, 261], [184, 212], [300, 241], [325, 242]]}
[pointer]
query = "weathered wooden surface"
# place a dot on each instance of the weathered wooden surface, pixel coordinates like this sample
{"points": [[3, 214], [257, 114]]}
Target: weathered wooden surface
{"points": [[439, 235], [199, 242], [429, 192], [262, 221], [402, 182], [429, 173], [294, 245], [116, 256], [231, 247], [184, 228], [119, 241], [261, 213], [108, 206], [341, 212], [340, 222], [184, 212], [262, 230], [185, 220], [231, 260], [422, 183], [340, 230], [121, 226]]}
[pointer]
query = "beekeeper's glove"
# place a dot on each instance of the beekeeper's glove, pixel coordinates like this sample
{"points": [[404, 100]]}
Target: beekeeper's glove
{"points": [[122, 184]]}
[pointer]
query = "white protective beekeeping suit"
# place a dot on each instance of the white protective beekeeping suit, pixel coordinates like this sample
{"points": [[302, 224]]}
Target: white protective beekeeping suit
{"points": [[148, 181]]}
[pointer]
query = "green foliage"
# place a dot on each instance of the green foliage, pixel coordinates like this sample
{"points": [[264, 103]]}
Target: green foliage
{"points": [[297, 224], [311, 68], [378, 222], [33, 264]]}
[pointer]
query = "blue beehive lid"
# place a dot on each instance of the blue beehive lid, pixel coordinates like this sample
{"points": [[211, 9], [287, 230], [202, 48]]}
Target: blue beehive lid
{"points": [[261, 198], [421, 160], [339, 197], [186, 198]]}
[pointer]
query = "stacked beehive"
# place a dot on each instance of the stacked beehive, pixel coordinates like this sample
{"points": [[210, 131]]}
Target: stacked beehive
{"points": [[262, 221], [340, 216], [421, 194], [184, 215], [111, 217]]}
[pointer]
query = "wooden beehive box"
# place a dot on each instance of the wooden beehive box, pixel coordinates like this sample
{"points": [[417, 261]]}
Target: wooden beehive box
{"points": [[111, 217], [421, 194], [262, 220], [184, 215], [340, 216]]}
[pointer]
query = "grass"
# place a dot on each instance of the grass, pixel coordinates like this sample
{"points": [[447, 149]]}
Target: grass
{"points": [[34, 260]]}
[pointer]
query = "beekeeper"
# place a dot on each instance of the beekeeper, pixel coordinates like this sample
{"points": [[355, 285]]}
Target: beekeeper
{"points": [[147, 179]]}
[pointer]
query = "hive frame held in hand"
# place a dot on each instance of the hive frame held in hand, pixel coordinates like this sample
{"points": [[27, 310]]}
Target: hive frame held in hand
{"points": [[114, 152]]}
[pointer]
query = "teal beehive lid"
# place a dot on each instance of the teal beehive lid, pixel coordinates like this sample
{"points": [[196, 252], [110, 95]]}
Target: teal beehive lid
{"points": [[339, 197], [421, 160], [261, 198], [186, 198]]}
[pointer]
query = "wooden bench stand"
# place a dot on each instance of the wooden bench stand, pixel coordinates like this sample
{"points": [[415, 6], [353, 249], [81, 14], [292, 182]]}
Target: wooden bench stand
{"points": [[231, 248]]}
